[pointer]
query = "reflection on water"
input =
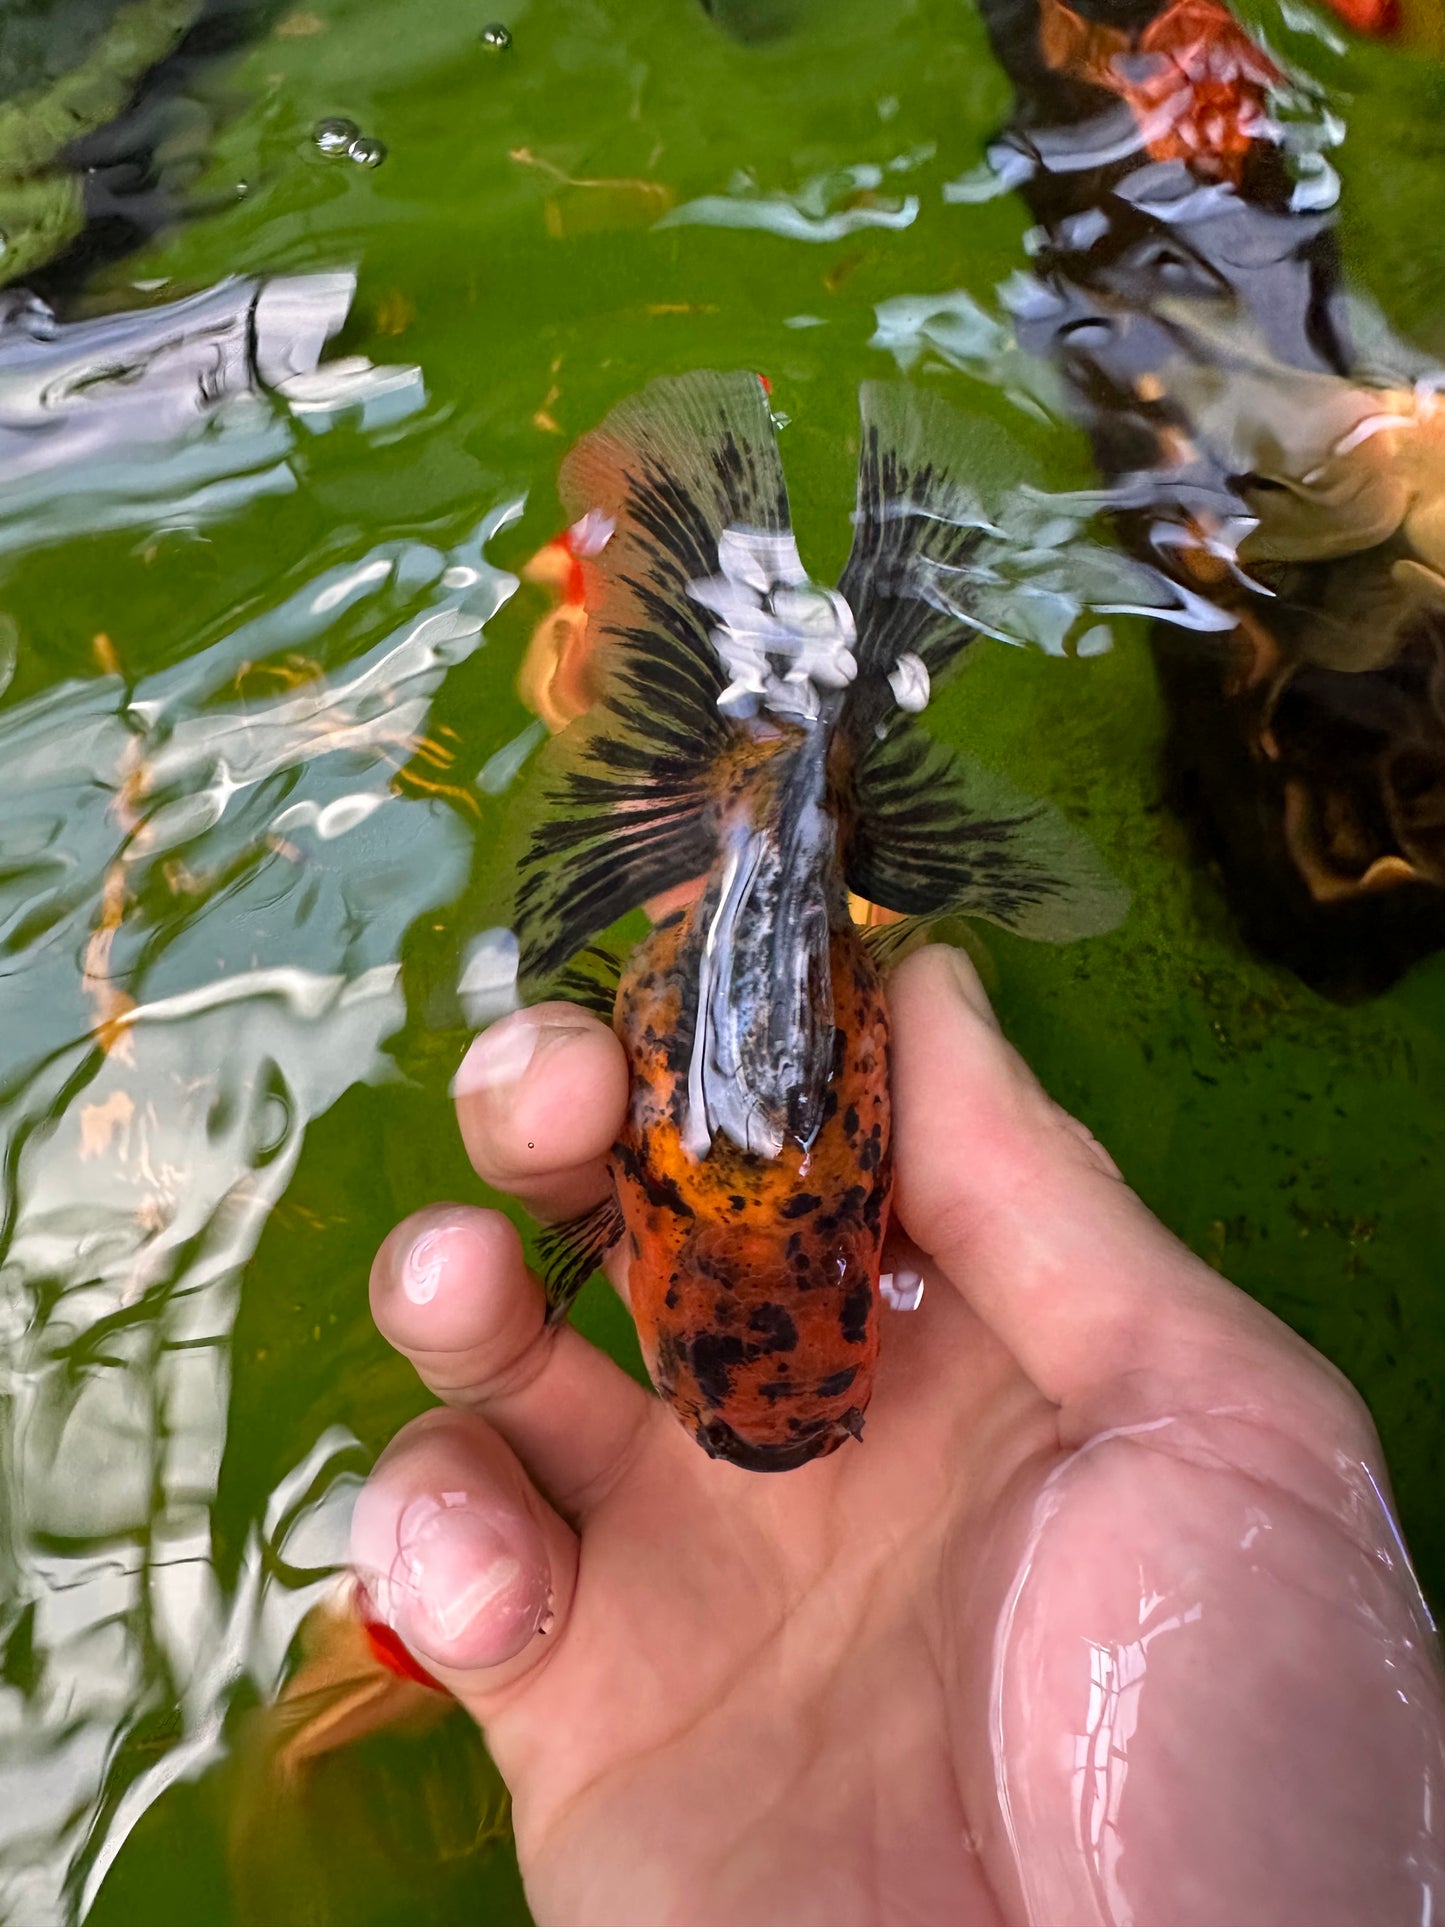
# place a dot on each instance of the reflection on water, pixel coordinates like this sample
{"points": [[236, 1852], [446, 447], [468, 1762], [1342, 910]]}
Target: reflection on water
{"points": [[231, 849], [103, 127], [1263, 449], [217, 821], [186, 409]]}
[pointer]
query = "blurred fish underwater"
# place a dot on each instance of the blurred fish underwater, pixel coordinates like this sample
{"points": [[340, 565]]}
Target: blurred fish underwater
{"points": [[102, 132], [1266, 443], [752, 741]]}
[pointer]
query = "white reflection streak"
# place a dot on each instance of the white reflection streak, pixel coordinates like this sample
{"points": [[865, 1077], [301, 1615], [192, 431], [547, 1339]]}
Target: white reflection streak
{"points": [[158, 1170], [1101, 1755], [261, 1609], [1000, 1739]]}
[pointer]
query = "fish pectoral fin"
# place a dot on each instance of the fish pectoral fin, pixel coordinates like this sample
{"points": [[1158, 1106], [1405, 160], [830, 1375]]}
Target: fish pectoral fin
{"points": [[591, 980], [568, 1253], [937, 833]]}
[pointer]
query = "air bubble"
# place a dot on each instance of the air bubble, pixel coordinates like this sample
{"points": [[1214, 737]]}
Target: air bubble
{"points": [[335, 136], [779, 420], [367, 151], [496, 38]]}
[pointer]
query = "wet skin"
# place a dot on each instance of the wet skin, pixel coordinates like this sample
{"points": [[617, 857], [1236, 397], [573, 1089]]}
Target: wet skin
{"points": [[1107, 1619]]}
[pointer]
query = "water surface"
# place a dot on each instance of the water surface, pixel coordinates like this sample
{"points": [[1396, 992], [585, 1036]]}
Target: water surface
{"points": [[257, 731]]}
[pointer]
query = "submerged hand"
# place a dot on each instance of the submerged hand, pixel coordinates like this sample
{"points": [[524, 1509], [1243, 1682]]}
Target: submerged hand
{"points": [[1107, 1619]]}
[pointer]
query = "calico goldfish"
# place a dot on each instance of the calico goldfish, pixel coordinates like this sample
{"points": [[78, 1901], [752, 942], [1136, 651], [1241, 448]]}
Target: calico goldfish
{"points": [[1195, 82], [757, 744]]}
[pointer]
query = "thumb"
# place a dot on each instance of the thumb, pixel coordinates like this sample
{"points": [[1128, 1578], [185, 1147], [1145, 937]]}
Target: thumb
{"points": [[1027, 1215], [461, 1557]]}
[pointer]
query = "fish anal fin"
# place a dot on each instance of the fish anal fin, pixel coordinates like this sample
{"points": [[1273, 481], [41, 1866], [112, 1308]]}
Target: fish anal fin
{"points": [[568, 1253]]}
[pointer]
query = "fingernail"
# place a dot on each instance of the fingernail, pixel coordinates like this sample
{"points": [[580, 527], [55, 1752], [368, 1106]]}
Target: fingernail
{"points": [[498, 1058], [969, 984], [422, 1267], [465, 1589]]}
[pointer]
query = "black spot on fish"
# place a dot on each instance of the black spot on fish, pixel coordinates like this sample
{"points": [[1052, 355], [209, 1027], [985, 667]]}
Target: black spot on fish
{"points": [[777, 1388], [846, 1212], [738, 1203], [850, 1121], [670, 1297], [870, 1154], [853, 1317], [838, 1382], [775, 1328], [707, 1265], [663, 1191], [714, 1357], [800, 1205], [725, 1311]]}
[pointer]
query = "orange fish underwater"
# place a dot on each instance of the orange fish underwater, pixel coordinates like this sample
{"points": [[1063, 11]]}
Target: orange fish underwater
{"points": [[756, 731]]}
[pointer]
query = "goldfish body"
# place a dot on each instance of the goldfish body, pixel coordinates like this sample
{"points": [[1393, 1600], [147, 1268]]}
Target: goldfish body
{"points": [[756, 745], [1195, 82]]}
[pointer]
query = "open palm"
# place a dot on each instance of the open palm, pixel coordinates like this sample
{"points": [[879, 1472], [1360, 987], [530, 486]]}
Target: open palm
{"points": [[1106, 1620]]}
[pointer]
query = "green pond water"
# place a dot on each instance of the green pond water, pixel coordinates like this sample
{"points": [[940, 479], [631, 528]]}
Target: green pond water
{"points": [[190, 1385]]}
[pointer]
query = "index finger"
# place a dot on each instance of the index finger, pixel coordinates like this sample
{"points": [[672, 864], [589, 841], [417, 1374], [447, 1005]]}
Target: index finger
{"points": [[541, 1098]]}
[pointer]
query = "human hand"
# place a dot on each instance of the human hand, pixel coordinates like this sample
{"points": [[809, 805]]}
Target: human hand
{"points": [[1107, 1619]]}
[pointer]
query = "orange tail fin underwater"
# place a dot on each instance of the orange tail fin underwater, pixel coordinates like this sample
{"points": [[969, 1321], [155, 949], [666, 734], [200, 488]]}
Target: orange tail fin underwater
{"points": [[355, 1678], [762, 732]]}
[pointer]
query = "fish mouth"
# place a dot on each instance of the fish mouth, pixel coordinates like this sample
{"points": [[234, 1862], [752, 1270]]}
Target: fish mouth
{"points": [[720, 1441]]}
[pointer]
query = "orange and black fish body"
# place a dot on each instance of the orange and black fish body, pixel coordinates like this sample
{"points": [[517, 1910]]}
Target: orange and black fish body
{"points": [[752, 1278], [1195, 82], [760, 733]]}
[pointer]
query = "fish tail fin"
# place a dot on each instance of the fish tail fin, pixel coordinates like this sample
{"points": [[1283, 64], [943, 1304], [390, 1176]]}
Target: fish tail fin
{"points": [[917, 526], [934, 833], [590, 980], [355, 1678], [312, 1836], [621, 806]]}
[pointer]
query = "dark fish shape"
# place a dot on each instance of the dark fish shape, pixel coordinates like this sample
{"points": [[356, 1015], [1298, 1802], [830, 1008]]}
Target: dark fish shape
{"points": [[757, 21], [757, 738], [1259, 453]]}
